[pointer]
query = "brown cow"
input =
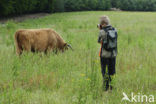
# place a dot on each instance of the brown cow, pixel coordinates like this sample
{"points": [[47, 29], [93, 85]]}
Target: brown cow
{"points": [[39, 40]]}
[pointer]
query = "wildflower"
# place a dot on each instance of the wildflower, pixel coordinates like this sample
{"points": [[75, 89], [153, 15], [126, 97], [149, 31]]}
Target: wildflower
{"points": [[82, 75], [88, 79]]}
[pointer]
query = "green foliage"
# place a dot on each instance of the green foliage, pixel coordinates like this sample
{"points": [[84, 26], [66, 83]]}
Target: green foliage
{"points": [[131, 5], [100, 5], [104, 4], [14, 7], [92, 4], [80, 5], [6, 7], [58, 5], [135, 5]]}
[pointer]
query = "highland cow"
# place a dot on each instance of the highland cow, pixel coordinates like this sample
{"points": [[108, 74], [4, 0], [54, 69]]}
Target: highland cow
{"points": [[39, 40]]}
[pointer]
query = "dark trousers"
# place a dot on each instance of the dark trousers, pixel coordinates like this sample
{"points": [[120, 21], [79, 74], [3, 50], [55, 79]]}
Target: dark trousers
{"points": [[110, 64]]}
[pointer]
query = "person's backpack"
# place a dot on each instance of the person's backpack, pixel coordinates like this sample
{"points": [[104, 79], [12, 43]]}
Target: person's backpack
{"points": [[110, 44]]}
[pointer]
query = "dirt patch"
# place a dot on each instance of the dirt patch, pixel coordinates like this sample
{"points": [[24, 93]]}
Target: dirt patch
{"points": [[23, 17]]}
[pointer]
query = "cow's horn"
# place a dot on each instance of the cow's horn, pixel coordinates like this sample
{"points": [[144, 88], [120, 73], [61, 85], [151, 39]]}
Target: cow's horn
{"points": [[70, 47]]}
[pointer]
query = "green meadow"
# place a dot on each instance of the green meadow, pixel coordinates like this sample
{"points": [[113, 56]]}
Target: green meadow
{"points": [[74, 77]]}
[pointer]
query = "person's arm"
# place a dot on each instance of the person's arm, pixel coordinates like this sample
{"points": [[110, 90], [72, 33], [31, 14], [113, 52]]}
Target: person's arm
{"points": [[99, 38], [102, 36]]}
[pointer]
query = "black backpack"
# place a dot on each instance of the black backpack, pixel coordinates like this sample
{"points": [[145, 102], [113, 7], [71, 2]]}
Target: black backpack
{"points": [[110, 44]]}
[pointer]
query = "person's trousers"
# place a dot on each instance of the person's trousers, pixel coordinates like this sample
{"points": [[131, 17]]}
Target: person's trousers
{"points": [[108, 63]]}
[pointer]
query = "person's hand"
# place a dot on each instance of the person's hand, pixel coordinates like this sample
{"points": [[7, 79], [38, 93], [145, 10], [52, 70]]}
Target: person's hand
{"points": [[98, 26]]}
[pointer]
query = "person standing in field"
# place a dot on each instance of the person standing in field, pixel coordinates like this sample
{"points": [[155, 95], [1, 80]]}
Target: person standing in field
{"points": [[108, 51]]}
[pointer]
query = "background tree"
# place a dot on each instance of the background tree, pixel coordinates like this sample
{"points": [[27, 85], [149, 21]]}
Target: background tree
{"points": [[100, 5], [16, 7], [58, 5]]}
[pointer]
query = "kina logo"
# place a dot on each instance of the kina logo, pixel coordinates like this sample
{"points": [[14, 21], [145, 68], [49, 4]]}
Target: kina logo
{"points": [[138, 98]]}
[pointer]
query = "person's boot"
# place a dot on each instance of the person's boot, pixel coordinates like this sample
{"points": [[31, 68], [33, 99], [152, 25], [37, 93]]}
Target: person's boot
{"points": [[105, 84], [110, 79]]}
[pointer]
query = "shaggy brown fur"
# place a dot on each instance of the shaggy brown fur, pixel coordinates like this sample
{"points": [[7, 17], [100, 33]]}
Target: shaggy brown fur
{"points": [[38, 40]]}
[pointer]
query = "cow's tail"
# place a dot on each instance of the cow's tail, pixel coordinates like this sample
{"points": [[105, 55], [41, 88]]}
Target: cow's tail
{"points": [[18, 47]]}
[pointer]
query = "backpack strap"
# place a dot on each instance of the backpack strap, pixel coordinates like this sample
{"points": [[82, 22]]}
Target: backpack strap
{"points": [[106, 29]]}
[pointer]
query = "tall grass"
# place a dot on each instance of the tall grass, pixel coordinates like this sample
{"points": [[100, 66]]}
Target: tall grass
{"points": [[74, 77]]}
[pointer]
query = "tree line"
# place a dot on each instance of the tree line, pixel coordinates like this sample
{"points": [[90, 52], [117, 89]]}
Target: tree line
{"points": [[16, 7]]}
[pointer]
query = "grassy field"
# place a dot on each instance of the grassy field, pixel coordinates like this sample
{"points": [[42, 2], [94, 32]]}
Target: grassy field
{"points": [[74, 77]]}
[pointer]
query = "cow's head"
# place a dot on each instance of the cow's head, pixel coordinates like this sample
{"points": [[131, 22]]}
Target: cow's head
{"points": [[67, 46]]}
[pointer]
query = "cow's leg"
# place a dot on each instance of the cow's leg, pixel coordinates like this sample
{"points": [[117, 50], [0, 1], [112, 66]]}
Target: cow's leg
{"points": [[27, 46], [19, 50], [50, 49]]}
